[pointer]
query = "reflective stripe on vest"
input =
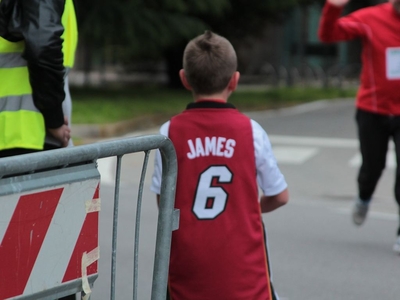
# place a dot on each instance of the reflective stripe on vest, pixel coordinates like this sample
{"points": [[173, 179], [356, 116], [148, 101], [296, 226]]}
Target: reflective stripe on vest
{"points": [[21, 124], [10, 60], [16, 103]]}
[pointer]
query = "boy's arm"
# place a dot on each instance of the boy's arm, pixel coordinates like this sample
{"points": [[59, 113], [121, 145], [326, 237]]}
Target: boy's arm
{"points": [[157, 173], [333, 28], [269, 177], [270, 203]]}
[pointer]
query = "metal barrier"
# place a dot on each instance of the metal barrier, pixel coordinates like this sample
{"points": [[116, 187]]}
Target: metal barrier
{"points": [[38, 194]]}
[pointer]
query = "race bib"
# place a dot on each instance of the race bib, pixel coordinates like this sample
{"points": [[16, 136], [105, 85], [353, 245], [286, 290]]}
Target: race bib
{"points": [[393, 63]]}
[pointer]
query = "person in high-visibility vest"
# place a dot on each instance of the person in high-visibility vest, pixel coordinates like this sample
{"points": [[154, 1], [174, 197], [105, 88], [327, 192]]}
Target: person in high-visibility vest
{"points": [[38, 40]]}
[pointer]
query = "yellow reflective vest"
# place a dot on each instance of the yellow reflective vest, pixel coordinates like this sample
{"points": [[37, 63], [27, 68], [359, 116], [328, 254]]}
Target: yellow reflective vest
{"points": [[22, 125]]}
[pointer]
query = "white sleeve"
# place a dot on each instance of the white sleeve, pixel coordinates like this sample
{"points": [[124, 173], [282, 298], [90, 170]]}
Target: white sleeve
{"points": [[157, 173], [269, 177]]}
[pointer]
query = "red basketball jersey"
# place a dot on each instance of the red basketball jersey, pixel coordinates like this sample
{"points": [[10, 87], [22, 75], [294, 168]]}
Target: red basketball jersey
{"points": [[219, 250]]}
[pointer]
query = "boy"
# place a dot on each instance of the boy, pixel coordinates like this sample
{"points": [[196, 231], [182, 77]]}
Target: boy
{"points": [[219, 251]]}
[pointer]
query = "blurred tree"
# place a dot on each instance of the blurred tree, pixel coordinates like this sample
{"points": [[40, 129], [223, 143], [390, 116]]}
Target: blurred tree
{"points": [[142, 29], [154, 29], [241, 20]]}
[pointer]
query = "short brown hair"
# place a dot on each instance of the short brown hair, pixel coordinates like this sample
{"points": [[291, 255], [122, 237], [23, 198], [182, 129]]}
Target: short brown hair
{"points": [[209, 62]]}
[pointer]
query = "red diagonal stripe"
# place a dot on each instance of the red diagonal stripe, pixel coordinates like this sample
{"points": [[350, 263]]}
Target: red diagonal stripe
{"points": [[23, 239], [87, 241]]}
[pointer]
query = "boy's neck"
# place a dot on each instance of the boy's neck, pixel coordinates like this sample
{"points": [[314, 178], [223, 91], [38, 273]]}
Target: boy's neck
{"points": [[210, 99], [220, 97]]}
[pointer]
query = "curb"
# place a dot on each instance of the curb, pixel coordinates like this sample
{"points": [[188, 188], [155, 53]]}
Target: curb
{"points": [[101, 131]]}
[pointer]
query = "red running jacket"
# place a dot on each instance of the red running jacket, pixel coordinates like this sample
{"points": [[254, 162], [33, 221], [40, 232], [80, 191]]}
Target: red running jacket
{"points": [[379, 29]]}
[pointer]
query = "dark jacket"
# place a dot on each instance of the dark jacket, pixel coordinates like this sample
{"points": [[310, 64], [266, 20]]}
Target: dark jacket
{"points": [[38, 23]]}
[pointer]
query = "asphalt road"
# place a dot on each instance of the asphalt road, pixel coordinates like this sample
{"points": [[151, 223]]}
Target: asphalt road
{"points": [[316, 251]]}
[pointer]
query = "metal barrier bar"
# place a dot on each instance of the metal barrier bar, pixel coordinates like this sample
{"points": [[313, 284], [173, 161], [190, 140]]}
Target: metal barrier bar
{"points": [[67, 156], [137, 226], [167, 217], [115, 227]]}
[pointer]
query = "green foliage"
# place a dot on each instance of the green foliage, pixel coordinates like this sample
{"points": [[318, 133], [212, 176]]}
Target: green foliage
{"points": [[144, 28], [247, 18], [127, 31], [101, 106], [111, 105]]}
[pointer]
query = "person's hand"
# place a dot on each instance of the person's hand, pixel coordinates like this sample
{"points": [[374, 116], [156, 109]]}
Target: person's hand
{"points": [[338, 3], [63, 133]]}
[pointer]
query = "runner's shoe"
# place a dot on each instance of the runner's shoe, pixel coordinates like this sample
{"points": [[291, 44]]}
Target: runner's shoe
{"points": [[396, 246], [360, 210]]}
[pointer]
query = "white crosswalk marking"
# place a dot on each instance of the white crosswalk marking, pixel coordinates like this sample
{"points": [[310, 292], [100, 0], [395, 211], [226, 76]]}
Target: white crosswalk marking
{"points": [[390, 160], [299, 149], [294, 155], [313, 141], [288, 150]]}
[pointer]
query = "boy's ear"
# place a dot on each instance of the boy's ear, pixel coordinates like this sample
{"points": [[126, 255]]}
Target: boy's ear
{"points": [[234, 81], [184, 80]]}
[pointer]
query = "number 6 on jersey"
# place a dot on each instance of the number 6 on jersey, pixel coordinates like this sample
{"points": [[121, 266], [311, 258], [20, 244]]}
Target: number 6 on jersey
{"points": [[210, 201]]}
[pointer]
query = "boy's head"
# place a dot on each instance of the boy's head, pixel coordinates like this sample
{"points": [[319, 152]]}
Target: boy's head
{"points": [[209, 62]]}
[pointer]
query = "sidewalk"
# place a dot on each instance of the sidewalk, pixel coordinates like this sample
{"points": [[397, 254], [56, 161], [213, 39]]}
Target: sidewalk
{"points": [[89, 133]]}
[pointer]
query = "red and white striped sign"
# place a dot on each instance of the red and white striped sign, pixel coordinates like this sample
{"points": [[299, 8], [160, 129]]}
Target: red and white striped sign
{"points": [[46, 236]]}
